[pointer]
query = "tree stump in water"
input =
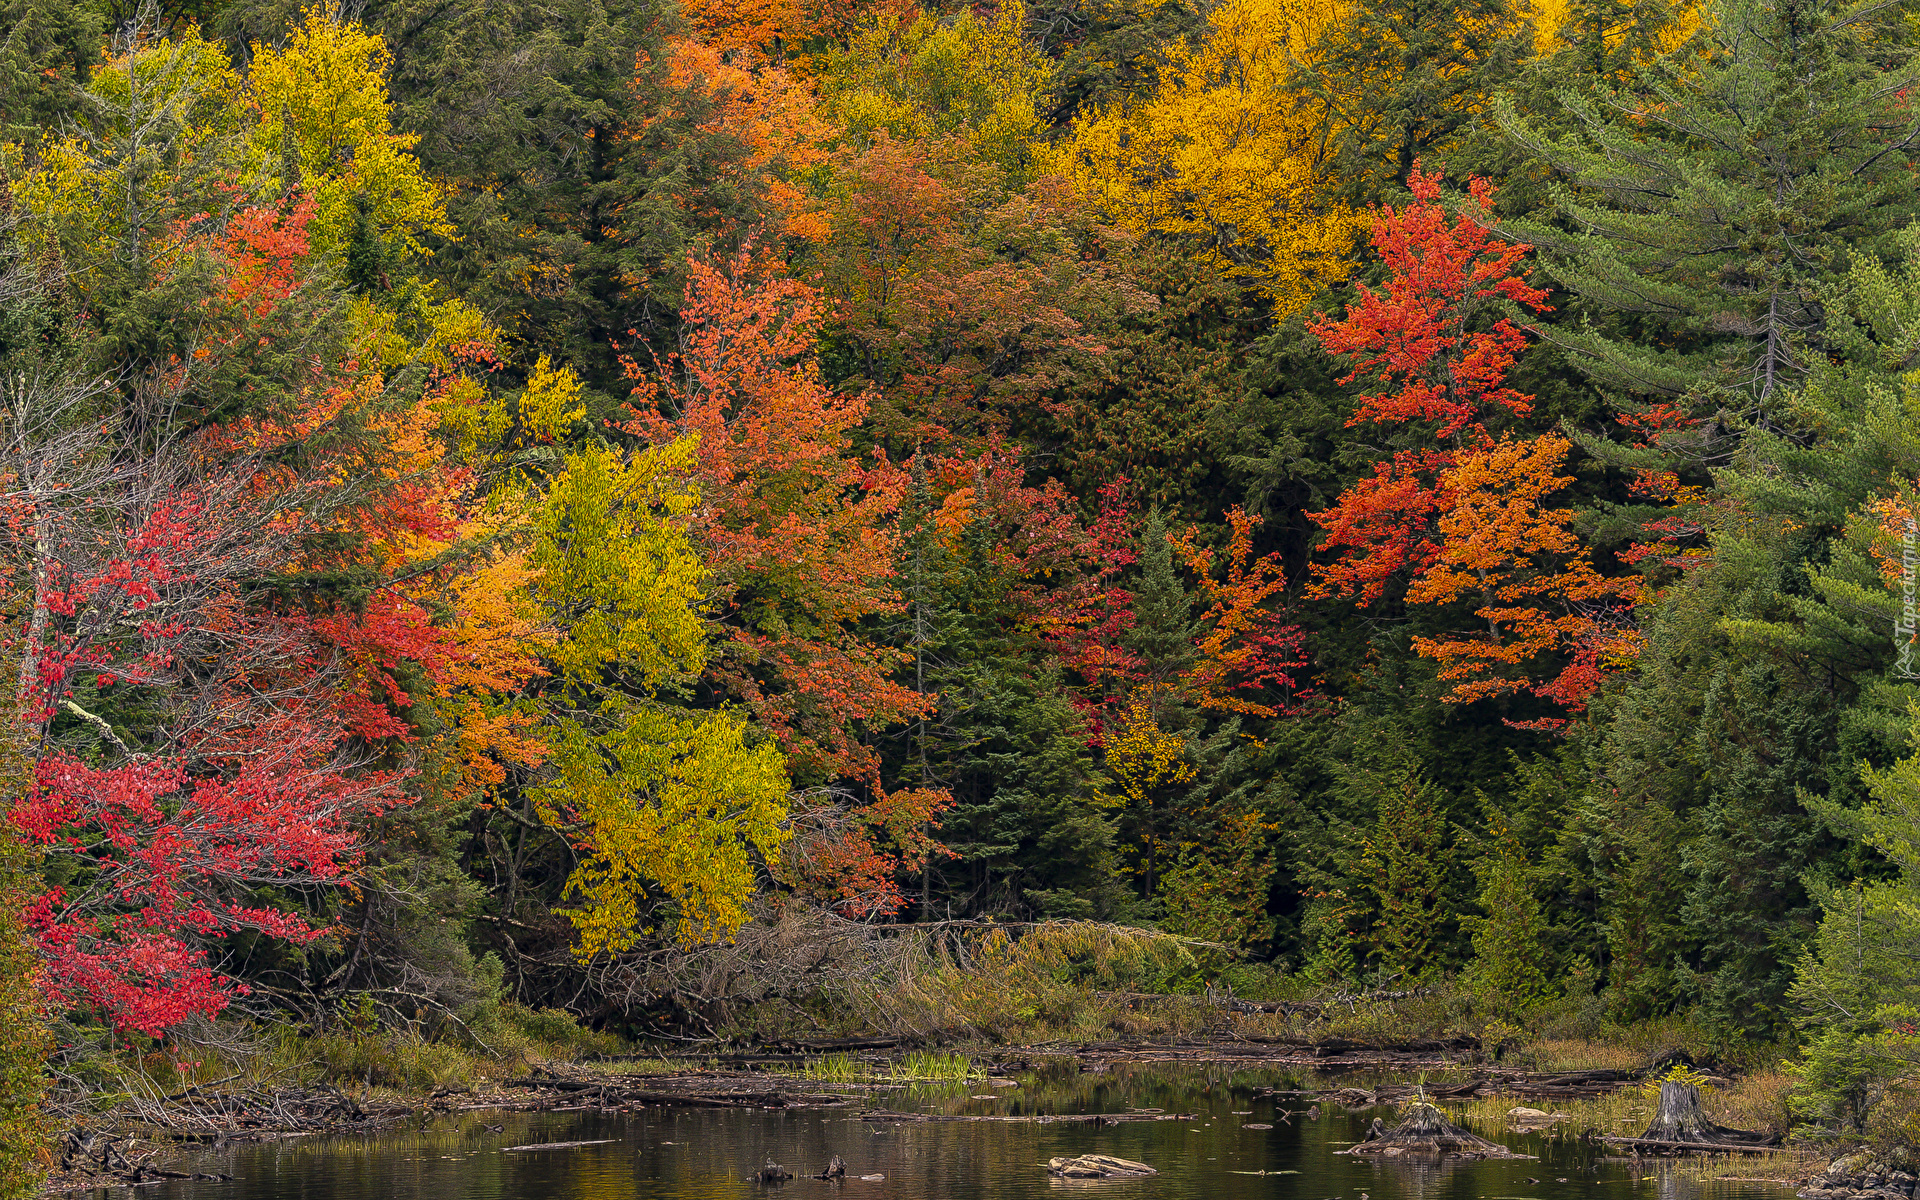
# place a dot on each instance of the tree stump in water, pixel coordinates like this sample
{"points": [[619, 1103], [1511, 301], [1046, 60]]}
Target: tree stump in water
{"points": [[1680, 1117], [1426, 1132], [1681, 1121]]}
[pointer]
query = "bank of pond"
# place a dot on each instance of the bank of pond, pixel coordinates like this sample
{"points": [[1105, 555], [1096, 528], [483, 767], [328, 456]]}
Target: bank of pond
{"points": [[1218, 1131]]}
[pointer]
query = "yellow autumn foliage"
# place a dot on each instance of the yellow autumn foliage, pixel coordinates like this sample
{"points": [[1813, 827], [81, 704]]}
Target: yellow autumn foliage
{"points": [[1227, 153], [166, 110], [971, 75], [663, 803], [323, 98], [1553, 22], [1143, 757]]}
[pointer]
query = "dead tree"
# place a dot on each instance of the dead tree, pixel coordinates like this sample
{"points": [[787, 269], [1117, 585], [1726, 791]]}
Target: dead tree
{"points": [[1680, 1121], [1426, 1132]]}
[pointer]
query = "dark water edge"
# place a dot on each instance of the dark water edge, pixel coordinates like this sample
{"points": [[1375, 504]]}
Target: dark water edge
{"points": [[712, 1154]]}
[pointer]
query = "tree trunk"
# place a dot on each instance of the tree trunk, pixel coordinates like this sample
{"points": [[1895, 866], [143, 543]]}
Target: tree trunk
{"points": [[1680, 1119]]}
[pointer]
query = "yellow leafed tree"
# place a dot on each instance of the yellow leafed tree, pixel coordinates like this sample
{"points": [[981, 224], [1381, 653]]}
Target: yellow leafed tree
{"points": [[664, 804], [1227, 153], [323, 98], [973, 77]]}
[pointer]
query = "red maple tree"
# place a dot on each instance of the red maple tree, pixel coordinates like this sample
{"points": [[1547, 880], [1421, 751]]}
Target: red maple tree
{"points": [[1465, 515]]}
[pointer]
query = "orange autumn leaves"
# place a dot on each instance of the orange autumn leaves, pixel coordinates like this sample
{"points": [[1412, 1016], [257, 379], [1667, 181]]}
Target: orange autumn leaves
{"points": [[1466, 515], [800, 539]]}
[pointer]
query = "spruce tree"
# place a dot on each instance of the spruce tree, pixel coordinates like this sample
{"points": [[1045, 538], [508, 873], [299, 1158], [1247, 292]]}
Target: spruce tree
{"points": [[48, 49], [1608, 39], [1722, 187]]}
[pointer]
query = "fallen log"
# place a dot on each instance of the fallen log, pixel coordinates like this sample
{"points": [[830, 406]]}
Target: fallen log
{"points": [[628, 1096], [1098, 1166], [1721, 1147], [880, 1114], [557, 1145]]}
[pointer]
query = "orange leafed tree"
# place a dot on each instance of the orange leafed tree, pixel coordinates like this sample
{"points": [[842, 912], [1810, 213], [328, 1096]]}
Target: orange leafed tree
{"points": [[1243, 645], [771, 111], [966, 311], [801, 538], [1464, 515], [1540, 596]]}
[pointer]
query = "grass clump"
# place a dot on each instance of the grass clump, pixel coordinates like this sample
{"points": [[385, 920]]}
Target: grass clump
{"points": [[924, 1064], [832, 1068]]}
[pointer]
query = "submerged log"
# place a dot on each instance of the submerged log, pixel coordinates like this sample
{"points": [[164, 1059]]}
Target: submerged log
{"points": [[1639, 1144], [1426, 1132], [835, 1169], [1098, 1166]]}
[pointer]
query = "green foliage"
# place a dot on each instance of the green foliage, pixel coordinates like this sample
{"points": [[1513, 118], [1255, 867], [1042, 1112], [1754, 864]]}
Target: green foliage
{"points": [[927, 1064], [1404, 863], [24, 1038], [1777, 122], [47, 55], [1507, 974], [1858, 984], [1405, 80]]}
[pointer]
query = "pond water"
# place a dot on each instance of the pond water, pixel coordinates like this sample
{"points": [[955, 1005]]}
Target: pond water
{"points": [[712, 1154]]}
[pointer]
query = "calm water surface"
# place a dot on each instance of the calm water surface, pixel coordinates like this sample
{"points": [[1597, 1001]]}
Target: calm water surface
{"points": [[711, 1154]]}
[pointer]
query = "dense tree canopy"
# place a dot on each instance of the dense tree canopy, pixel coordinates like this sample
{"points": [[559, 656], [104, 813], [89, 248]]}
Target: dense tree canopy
{"points": [[499, 498]]}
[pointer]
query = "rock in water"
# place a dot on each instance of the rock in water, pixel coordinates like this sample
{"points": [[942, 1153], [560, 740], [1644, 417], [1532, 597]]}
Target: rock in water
{"points": [[773, 1172], [1098, 1166]]}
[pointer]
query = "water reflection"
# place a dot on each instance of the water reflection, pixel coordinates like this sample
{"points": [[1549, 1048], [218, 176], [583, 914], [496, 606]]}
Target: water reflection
{"points": [[702, 1154]]}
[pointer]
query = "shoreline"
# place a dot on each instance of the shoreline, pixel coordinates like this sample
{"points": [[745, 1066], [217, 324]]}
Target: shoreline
{"points": [[125, 1149]]}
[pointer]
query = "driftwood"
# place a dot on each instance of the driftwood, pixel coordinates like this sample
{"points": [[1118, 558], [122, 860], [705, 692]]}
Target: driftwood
{"points": [[1098, 1166], [1713, 1147], [99, 1154], [1095, 1119], [613, 1093], [559, 1145], [1427, 1132]]}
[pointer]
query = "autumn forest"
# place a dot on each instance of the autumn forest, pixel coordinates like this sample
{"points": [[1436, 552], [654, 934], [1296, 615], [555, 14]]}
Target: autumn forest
{"points": [[578, 523]]}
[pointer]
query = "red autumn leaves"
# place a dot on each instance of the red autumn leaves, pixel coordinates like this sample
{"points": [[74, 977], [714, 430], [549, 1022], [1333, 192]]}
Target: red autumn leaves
{"points": [[1465, 514]]}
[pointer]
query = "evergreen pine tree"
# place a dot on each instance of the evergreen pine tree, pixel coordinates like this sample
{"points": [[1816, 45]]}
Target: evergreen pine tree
{"points": [[1607, 39], [1723, 187], [1508, 937], [48, 49], [578, 175]]}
